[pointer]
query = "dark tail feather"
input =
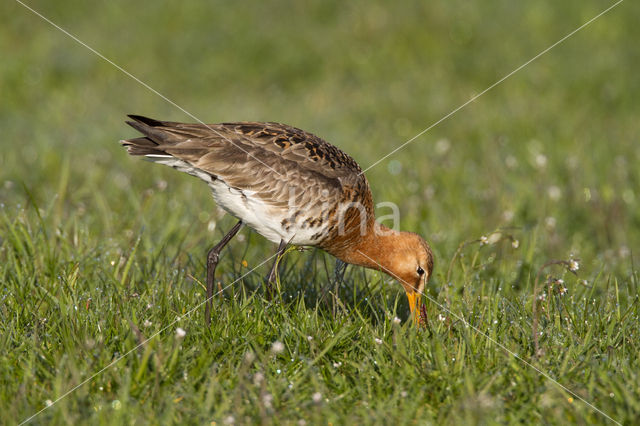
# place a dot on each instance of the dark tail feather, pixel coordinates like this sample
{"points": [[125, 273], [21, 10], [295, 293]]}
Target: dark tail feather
{"points": [[149, 121], [152, 129], [141, 146]]}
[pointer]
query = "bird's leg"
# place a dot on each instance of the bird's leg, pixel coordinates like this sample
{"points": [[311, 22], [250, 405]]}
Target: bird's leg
{"points": [[272, 274], [212, 262], [338, 273], [338, 277]]}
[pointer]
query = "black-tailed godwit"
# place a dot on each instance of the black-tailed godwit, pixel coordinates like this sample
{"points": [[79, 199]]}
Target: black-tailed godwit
{"points": [[292, 188]]}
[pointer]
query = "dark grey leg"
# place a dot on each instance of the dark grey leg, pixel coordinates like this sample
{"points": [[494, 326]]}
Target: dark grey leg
{"points": [[272, 274], [338, 273], [212, 262], [338, 278]]}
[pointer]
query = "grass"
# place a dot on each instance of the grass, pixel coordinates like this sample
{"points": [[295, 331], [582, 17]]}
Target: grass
{"points": [[99, 251]]}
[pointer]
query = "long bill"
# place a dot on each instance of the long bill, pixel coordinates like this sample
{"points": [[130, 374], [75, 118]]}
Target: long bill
{"points": [[414, 306]]}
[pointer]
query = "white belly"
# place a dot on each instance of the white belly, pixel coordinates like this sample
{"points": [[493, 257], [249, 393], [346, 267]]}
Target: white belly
{"points": [[258, 214], [263, 217]]}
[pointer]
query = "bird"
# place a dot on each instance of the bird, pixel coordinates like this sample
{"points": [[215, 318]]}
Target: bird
{"points": [[291, 187]]}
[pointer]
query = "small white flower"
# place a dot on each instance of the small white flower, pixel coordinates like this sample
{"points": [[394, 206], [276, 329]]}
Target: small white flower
{"points": [[550, 222], [229, 420], [441, 317], [404, 394], [515, 244], [563, 291], [442, 146], [396, 320], [147, 323], [277, 347], [554, 192], [508, 215], [429, 192], [258, 378], [337, 364], [378, 341], [317, 397], [573, 265], [309, 338], [161, 185], [394, 167], [624, 251], [541, 161], [484, 240], [48, 403], [267, 399], [180, 333]]}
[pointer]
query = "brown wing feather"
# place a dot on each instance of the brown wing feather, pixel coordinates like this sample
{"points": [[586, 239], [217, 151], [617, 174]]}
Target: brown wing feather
{"points": [[273, 160]]}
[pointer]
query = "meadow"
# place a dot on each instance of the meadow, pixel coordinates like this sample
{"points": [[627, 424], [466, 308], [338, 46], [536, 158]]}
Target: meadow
{"points": [[102, 256]]}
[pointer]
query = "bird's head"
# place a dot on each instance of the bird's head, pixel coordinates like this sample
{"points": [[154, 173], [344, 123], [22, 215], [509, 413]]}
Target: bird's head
{"points": [[411, 263], [404, 256]]}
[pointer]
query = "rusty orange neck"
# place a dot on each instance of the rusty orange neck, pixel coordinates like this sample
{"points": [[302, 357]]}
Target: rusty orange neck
{"points": [[373, 249]]}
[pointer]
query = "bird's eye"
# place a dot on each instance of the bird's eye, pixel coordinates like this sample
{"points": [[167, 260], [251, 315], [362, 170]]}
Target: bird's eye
{"points": [[420, 271]]}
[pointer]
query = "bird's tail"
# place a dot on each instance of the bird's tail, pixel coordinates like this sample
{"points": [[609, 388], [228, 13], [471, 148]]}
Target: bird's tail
{"points": [[148, 144]]}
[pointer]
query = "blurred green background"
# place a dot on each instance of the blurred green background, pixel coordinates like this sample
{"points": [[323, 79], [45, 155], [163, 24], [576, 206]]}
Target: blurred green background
{"points": [[557, 140], [551, 154]]}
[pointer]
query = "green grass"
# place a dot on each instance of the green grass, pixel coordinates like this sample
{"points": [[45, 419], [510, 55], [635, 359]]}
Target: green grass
{"points": [[100, 251]]}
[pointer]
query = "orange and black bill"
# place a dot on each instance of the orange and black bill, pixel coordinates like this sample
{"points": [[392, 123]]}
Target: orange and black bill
{"points": [[418, 310]]}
